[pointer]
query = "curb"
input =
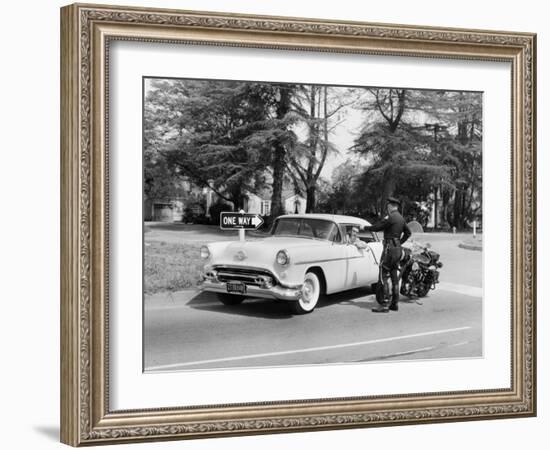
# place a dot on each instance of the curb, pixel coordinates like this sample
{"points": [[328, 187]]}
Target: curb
{"points": [[469, 246]]}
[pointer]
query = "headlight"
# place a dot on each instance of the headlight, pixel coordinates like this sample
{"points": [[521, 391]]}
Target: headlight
{"points": [[205, 252], [282, 258], [415, 266]]}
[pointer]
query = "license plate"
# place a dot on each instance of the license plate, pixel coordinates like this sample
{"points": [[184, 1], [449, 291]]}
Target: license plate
{"points": [[236, 287]]}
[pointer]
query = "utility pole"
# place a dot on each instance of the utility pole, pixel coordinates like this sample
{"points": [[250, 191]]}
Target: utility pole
{"points": [[436, 128]]}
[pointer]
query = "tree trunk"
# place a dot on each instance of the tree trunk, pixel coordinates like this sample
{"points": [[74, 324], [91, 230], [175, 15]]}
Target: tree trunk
{"points": [[462, 132], [278, 164], [277, 208], [445, 198], [463, 218], [457, 209], [389, 185], [310, 199], [237, 197], [238, 202]]}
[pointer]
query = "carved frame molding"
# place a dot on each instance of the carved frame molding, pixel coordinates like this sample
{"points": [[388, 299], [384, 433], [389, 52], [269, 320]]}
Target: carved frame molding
{"points": [[86, 31]]}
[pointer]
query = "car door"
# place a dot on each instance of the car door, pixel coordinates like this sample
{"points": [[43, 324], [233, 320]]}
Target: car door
{"points": [[375, 249], [363, 263], [336, 262]]}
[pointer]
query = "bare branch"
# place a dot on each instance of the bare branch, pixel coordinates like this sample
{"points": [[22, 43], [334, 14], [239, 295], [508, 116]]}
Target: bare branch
{"points": [[381, 109]]}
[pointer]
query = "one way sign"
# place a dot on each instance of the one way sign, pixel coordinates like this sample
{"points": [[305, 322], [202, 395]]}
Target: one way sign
{"points": [[240, 221]]}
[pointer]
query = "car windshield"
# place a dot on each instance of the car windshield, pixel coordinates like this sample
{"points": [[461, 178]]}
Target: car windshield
{"points": [[307, 228]]}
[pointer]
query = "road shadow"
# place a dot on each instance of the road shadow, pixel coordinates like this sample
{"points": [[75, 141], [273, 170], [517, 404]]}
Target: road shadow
{"points": [[347, 298], [274, 309], [260, 308], [202, 297]]}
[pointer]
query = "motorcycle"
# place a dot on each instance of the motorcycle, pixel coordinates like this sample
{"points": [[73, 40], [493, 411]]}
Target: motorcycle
{"points": [[419, 271]]}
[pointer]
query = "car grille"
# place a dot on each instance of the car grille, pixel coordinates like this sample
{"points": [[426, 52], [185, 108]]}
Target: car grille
{"points": [[247, 276]]}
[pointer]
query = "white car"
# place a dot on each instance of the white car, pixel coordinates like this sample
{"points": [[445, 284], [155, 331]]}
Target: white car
{"points": [[304, 257]]}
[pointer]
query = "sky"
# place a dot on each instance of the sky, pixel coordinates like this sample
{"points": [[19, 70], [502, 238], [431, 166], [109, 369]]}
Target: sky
{"points": [[342, 138]]}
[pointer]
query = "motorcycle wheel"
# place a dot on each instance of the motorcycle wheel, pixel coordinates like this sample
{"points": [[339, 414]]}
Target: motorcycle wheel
{"points": [[406, 284], [423, 289]]}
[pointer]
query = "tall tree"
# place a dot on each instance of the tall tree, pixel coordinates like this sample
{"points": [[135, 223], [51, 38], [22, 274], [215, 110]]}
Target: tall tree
{"points": [[232, 137], [342, 197], [465, 114], [279, 139], [390, 105], [399, 147], [211, 126], [459, 147], [287, 139], [318, 108]]}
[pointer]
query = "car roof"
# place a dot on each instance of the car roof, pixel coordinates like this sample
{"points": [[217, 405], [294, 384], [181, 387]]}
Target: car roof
{"points": [[332, 217]]}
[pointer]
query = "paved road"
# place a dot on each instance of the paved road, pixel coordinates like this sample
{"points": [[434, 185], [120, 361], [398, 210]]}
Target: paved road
{"points": [[461, 266], [188, 330]]}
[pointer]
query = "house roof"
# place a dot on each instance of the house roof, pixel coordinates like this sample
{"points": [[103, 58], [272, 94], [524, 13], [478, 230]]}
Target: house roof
{"points": [[286, 194], [289, 192], [293, 195]]}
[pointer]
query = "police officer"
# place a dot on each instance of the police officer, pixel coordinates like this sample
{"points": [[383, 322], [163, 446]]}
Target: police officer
{"points": [[396, 232]]}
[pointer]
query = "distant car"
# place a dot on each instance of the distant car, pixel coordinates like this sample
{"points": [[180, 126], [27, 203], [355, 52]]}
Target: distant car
{"points": [[305, 257]]}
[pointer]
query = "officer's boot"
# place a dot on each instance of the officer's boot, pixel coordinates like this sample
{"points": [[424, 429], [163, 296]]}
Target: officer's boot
{"points": [[394, 298], [395, 293], [383, 307]]}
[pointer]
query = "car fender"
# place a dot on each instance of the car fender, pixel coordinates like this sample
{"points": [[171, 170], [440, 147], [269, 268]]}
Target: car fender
{"points": [[330, 259], [215, 249]]}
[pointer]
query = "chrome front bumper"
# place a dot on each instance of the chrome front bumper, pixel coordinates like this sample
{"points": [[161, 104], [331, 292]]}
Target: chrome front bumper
{"points": [[276, 292]]}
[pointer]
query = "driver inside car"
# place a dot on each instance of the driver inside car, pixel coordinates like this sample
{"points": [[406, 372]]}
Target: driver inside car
{"points": [[353, 238]]}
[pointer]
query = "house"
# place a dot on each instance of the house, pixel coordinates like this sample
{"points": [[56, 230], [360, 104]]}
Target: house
{"points": [[190, 200], [295, 204], [261, 203], [163, 210], [184, 198]]}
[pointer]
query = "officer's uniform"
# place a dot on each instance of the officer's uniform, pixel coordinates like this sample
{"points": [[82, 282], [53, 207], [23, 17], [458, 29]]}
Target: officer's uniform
{"points": [[396, 232]]}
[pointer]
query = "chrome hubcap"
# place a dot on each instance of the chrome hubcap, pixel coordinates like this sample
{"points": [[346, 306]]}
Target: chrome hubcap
{"points": [[307, 291]]}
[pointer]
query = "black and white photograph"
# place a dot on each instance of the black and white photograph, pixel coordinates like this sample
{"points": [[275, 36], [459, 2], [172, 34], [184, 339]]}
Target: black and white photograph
{"points": [[301, 224]]}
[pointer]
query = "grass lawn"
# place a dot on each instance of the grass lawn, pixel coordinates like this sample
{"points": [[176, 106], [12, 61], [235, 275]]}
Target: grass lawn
{"points": [[171, 266], [172, 253]]}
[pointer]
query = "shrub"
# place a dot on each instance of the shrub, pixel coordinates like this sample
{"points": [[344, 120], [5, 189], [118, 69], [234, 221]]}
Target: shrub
{"points": [[216, 209]]}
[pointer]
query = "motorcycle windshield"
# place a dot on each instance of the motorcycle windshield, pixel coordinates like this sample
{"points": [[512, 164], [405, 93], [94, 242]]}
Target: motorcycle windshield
{"points": [[422, 258], [434, 255]]}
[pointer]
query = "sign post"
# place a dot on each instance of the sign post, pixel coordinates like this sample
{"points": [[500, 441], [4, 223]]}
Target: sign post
{"points": [[242, 237], [240, 221]]}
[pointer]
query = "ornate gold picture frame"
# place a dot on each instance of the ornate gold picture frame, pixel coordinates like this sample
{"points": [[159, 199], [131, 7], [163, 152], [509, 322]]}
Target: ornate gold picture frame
{"points": [[86, 34]]}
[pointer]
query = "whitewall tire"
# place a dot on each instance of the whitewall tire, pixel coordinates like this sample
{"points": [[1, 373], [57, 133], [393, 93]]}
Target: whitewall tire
{"points": [[311, 292]]}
